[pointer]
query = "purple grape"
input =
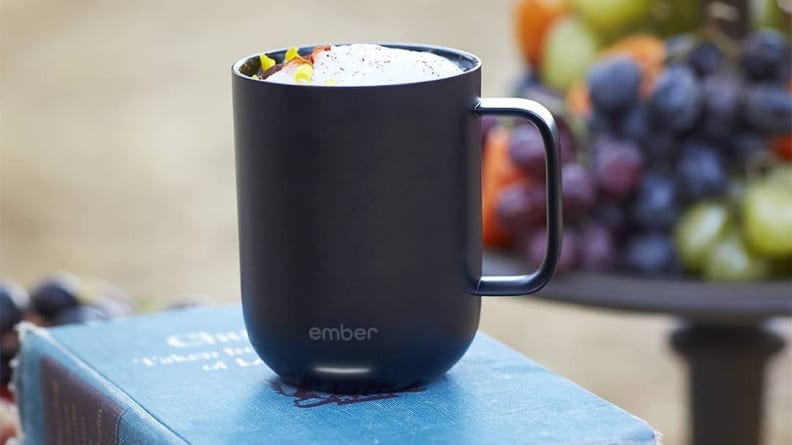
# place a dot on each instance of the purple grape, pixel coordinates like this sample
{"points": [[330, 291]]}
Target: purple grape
{"points": [[14, 301], [78, 315], [487, 124], [9, 345], [768, 109], [722, 98], [705, 58], [600, 124], [5, 372], [613, 84], [660, 146], [597, 248], [566, 140], [54, 294], [676, 99], [765, 56], [521, 206], [656, 204], [635, 124], [744, 146], [702, 173], [612, 216], [527, 150], [618, 166], [578, 190], [568, 257], [651, 254]]}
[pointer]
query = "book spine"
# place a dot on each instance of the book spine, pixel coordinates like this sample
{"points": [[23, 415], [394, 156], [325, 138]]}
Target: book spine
{"points": [[64, 401]]}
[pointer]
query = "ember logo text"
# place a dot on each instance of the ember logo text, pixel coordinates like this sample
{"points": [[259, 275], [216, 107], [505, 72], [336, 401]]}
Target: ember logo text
{"points": [[341, 333]]}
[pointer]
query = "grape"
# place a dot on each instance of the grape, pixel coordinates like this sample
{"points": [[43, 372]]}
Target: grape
{"points": [[721, 101], [765, 56], [566, 140], [780, 176], [698, 230], [14, 301], [618, 166], [730, 260], [599, 123], [745, 145], [54, 295], [5, 372], [607, 16], [613, 84], [487, 124], [9, 345], [767, 219], [521, 206], [660, 146], [78, 315], [651, 254], [768, 109], [569, 48], [701, 171], [678, 46], [635, 124], [705, 58], [656, 205], [578, 190], [526, 149], [676, 100], [611, 215], [597, 248], [537, 245]]}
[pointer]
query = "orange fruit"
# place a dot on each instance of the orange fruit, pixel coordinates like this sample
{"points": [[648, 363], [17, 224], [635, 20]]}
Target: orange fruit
{"points": [[782, 147], [577, 99], [498, 173], [533, 20]]}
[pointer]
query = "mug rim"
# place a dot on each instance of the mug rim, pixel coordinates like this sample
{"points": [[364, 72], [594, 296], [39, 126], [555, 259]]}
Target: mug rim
{"points": [[439, 50]]}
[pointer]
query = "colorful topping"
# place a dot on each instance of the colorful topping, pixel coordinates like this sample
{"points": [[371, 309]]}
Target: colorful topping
{"points": [[303, 73], [290, 54], [356, 64]]}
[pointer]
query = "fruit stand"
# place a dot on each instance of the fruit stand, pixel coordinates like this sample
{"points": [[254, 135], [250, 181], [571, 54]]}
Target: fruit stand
{"points": [[675, 130], [722, 336]]}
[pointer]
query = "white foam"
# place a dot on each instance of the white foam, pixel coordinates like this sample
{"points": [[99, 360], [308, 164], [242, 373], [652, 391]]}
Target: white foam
{"points": [[368, 64]]}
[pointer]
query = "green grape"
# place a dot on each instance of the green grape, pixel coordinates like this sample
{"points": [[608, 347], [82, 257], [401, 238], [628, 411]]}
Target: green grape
{"points": [[609, 16], [701, 227], [780, 176], [730, 260], [569, 49], [767, 218], [770, 14]]}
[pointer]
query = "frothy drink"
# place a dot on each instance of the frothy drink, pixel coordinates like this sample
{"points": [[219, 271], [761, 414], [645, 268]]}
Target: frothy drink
{"points": [[356, 65]]}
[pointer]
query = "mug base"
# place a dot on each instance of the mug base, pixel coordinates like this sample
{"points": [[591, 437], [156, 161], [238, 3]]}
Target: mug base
{"points": [[353, 386]]}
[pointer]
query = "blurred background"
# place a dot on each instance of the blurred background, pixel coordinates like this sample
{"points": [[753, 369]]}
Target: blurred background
{"points": [[116, 161]]}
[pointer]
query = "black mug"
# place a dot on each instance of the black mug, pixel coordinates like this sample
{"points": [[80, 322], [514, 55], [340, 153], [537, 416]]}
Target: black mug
{"points": [[360, 223]]}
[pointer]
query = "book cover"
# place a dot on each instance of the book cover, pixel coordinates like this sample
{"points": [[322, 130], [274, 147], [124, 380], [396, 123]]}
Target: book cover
{"points": [[191, 376]]}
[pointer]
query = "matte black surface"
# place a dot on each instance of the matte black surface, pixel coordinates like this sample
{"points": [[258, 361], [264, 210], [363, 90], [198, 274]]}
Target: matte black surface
{"points": [[726, 367], [360, 206]]}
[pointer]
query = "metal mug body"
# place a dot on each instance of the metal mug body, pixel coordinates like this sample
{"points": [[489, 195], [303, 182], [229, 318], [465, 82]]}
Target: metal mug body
{"points": [[359, 225]]}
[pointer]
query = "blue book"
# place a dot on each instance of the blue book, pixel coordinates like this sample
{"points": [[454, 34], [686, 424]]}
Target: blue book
{"points": [[191, 376]]}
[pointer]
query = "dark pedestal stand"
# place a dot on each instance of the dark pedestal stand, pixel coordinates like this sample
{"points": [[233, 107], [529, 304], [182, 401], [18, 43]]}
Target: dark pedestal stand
{"points": [[726, 379], [723, 338]]}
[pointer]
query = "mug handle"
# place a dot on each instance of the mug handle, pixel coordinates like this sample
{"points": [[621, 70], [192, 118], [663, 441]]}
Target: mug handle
{"points": [[543, 120]]}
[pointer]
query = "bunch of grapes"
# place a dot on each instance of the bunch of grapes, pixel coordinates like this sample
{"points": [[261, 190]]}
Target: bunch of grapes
{"points": [[660, 185], [56, 300]]}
